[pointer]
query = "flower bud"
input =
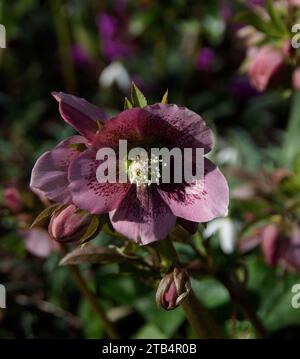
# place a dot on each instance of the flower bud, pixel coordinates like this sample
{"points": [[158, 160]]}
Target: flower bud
{"points": [[69, 224], [274, 244], [266, 67], [13, 199], [296, 79], [173, 289]]}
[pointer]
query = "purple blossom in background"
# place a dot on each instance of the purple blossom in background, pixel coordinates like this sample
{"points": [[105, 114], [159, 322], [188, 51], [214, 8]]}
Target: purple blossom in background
{"points": [[205, 59], [108, 25], [112, 33], [226, 11], [241, 87], [80, 56], [256, 2]]}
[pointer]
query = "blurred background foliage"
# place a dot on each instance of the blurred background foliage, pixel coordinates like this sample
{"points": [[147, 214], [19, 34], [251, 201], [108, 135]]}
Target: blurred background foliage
{"points": [[94, 49]]}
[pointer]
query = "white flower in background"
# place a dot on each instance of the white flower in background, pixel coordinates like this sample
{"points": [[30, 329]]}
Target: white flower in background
{"points": [[227, 230], [2, 37], [228, 155], [115, 73]]}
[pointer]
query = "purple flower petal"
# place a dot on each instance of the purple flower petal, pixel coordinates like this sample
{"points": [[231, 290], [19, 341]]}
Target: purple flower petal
{"points": [[143, 216], [50, 172], [199, 202], [80, 114], [191, 127], [87, 192], [168, 124]]}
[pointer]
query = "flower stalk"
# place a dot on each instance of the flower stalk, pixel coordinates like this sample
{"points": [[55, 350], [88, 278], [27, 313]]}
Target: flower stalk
{"points": [[90, 297], [203, 324]]}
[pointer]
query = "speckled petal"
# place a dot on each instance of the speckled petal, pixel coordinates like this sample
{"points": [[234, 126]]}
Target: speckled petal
{"points": [[199, 202], [159, 125], [143, 216], [87, 192]]}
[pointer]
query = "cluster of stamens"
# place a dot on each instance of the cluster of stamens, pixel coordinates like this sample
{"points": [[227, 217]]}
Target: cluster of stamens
{"points": [[145, 171]]}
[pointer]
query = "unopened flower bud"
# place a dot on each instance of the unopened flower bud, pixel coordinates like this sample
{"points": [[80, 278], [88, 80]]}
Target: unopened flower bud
{"points": [[173, 289], [69, 224], [266, 67], [274, 244]]}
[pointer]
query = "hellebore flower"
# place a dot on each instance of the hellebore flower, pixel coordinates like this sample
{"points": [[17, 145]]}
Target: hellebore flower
{"points": [[68, 224], [173, 289], [266, 67], [143, 213], [279, 247]]}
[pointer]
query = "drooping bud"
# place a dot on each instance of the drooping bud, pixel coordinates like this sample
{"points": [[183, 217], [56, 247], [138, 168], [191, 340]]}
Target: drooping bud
{"points": [[274, 244], [69, 224], [173, 289]]}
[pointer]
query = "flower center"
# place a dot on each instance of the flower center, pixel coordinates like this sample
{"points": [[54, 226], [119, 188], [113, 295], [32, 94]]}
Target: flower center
{"points": [[144, 171]]}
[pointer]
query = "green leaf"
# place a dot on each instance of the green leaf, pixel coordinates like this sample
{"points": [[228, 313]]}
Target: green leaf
{"points": [[167, 322], [275, 18], [127, 104], [164, 100], [291, 142], [44, 216], [91, 325], [267, 28], [91, 254], [91, 230], [137, 97], [149, 331], [274, 295]]}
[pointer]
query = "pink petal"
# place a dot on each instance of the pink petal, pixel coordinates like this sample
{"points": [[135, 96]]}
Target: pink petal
{"points": [[265, 67], [199, 202], [87, 192], [38, 242], [292, 254], [80, 114], [50, 172], [143, 216]]}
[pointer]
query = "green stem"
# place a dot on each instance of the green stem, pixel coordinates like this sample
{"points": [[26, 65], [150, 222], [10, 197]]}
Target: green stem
{"points": [[291, 140], [200, 319], [238, 297], [203, 324], [64, 45], [90, 297]]}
